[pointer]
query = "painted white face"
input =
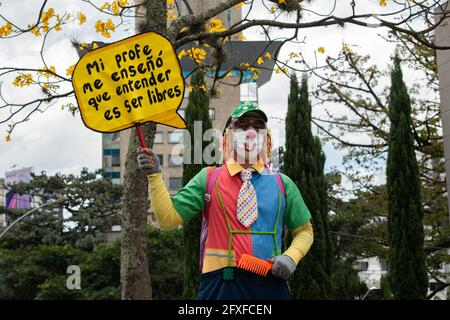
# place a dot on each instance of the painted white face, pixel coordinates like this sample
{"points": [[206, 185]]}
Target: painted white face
{"points": [[247, 144]]}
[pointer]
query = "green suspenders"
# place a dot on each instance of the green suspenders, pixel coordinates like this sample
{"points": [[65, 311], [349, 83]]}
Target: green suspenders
{"points": [[228, 272]]}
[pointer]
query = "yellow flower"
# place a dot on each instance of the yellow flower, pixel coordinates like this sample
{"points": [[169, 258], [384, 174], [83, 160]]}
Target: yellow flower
{"points": [[293, 54], [321, 49], [69, 70], [115, 8], [5, 30], [260, 60], [197, 54], [8, 138], [83, 46], [216, 25], [346, 48], [255, 73], [35, 30], [279, 70], [58, 23], [47, 15], [170, 2], [242, 37], [181, 54], [273, 9], [268, 55], [123, 3], [281, 1], [106, 5], [81, 18], [190, 89], [94, 46], [383, 3], [105, 27], [245, 65], [23, 80], [47, 72]]}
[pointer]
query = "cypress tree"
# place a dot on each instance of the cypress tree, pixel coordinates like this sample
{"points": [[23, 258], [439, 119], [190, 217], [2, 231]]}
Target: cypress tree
{"points": [[197, 110], [304, 163], [407, 272]]}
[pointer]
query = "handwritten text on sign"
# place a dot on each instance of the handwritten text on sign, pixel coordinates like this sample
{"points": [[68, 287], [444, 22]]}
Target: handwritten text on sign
{"points": [[132, 81]]}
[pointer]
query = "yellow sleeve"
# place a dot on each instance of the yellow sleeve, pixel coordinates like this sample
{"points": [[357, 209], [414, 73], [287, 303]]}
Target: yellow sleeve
{"points": [[302, 241], [165, 213]]}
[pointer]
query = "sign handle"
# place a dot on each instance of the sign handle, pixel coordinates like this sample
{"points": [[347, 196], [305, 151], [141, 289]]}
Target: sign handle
{"points": [[141, 137]]}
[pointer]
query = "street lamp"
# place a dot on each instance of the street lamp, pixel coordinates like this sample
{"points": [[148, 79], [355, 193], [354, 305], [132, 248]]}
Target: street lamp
{"points": [[48, 203]]}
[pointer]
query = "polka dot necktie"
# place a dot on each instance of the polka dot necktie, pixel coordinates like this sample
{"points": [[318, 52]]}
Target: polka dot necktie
{"points": [[247, 208]]}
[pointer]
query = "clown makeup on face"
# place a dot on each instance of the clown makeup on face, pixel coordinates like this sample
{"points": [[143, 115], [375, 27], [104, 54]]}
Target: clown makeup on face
{"points": [[247, 139]]}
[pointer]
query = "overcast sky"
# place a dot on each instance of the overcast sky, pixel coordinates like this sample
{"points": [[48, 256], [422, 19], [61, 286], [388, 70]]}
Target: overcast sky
{"points": [[55, 141]]}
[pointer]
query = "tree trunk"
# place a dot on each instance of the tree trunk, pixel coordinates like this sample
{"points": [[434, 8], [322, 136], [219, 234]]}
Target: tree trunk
{"points": [[134, 271]]}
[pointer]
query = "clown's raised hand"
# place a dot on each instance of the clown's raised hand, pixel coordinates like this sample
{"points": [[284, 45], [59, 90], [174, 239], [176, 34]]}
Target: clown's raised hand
{"points": [[148, 161]]}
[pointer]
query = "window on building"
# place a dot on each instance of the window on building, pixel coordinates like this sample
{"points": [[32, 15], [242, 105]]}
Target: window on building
{"points": [[212, 113], [175, 183], [362, 265], [115, 158], [176, 137], [249, 91], [112, 175], [175, 160], [111, 158], [158, 137], [161, 159]]}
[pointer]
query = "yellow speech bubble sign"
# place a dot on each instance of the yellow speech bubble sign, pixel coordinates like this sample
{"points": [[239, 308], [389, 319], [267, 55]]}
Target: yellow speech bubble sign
{"points": [[129, 82]]}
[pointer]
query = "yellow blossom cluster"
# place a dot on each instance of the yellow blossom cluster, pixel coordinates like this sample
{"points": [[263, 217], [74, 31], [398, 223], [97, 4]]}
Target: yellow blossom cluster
{"points": [[282, 69], [81, 18], [197, 88], [5, 30], [105, 27], [115, 6], [215, 25], [45, 19], [383, 3], [69, 70], [261, 59], [23, 80], [197, 54], [47, 72], [346, 48]]}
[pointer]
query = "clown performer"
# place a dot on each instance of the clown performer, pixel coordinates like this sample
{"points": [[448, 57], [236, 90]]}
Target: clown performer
{"points": [[245, 208]]}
